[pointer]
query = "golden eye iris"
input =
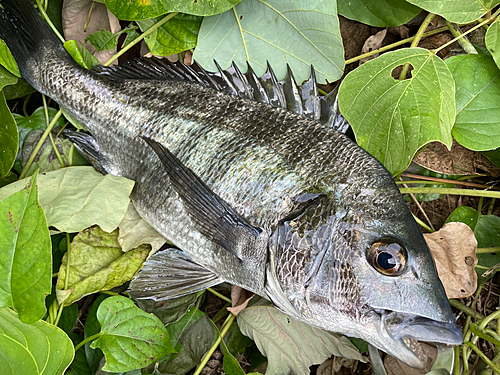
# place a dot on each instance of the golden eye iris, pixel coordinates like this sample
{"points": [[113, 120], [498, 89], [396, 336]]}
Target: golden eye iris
{"points": [[388, 257]]}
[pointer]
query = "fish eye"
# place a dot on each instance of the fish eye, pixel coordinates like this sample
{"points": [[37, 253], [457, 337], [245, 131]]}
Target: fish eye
{"points": [[388, 257]]}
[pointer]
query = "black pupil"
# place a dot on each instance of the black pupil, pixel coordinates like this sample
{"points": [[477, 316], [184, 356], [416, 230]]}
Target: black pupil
{"points": [[386, 261]]}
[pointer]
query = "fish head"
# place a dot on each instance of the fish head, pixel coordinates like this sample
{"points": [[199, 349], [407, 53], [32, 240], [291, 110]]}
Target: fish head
{"points": [[356, 263]]}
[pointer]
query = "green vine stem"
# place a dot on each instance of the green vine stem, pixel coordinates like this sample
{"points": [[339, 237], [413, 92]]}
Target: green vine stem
{"points": [[88, 339], [463, 41], [141, 37], [66, 279], [415, 42], [452, 191], [225, 327], [47, 19], [466, 309], [423, 225], [39, 145], [394, 45], [487, 250], [223, 297], [221, 313], [47, 122], [483, 357]]}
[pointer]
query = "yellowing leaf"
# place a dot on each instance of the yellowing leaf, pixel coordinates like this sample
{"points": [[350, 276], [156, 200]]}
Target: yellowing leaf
{"points": [[454, 250], [97, 262]]}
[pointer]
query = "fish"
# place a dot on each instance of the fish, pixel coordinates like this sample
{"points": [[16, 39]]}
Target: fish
{"points": [[253, 183]]}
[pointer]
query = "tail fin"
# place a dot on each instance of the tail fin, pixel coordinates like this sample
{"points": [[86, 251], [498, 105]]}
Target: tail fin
{"points": [[25, 33]]}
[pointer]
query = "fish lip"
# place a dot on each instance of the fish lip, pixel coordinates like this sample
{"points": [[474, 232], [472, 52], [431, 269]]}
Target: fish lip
{"points": [[408, 330]]}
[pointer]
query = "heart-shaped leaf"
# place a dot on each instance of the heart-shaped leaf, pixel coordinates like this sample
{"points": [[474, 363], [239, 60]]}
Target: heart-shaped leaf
{"points": [[392, 119], [130, 338], [295, 32]]}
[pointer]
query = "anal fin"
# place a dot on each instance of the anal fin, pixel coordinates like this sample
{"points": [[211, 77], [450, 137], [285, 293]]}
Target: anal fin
{"points": [[170, 274], [87, 146]]}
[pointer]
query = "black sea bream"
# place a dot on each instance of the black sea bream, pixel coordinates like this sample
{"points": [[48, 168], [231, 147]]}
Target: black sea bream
{"points": [[251, 193]]}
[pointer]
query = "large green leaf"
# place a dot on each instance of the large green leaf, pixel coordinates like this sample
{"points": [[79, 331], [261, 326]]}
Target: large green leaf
{"points": [[25, 254], [492, 40], [6, 78], [459, 11], [103, 40], [477, 78], [33, 349], [179, 34], [97, 263], [392, 119], [20, 89], [281, 340], [7, 60], [143, 9], [130, 338], [81, 55], [379, 13], [295, 32], [8, 138], [76, 198]]}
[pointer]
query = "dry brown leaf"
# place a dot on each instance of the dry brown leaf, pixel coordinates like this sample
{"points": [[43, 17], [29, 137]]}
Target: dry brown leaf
{"points": [[458, 160], [240, 298], [396, 367], [372, 43], [454, 250], [334, 364], [75, 14]]}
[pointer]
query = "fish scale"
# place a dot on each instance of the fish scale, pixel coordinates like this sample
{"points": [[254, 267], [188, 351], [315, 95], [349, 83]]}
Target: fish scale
{"points": [[252, 182]]}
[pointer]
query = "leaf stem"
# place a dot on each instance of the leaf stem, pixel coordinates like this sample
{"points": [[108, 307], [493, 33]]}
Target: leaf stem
{"points": [[423, 225], [394, 45], [466, 309], [141, 37], [225, 327], [488, 250], [39, 145], [487, 20], [88, 339], [483, 357], [415, 42], [464, 42], [47, 121], [47, 19], [451, 191], [68, 261], [223, 297]]}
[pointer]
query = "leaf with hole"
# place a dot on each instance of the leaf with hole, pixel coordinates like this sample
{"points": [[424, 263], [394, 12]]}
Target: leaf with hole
{"points": [[459, 11], [9, 138], [179, 34], [380, 13], [281, 340], [477, 79], [34, 349], [76, 198], [25, 256], [130, 338], [392, 119], [97, 262], [143, 9], [296, 32]]}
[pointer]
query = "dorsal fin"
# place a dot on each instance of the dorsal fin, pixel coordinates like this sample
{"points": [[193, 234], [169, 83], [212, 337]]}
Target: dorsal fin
{"points": [[303, 100]]}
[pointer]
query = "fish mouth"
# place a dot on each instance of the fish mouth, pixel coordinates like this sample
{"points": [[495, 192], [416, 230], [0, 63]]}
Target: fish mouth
{"points": [[407, 331]]}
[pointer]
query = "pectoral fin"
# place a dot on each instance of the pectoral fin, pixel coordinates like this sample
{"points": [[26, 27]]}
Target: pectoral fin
{"points": [[88, 148], [213, 217], [170, 274]]}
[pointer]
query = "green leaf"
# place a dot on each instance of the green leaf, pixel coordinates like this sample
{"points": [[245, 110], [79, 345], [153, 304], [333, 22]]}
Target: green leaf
{"points": [[135, 231], [11, 177], [8, 138], [79, 366], [103, 40], [464, 214], [33, 349], [459, 11], [177, 35], [7, 60], [20, 89], [97, 263], [231, 365], [281, 340], [380, 13], [169, 311], [132, 34], [25, 254], [192, 336], [93, 327], [392, 119], [236, 342], [76, 198], [130, 338], [493, 155], [143, 9], [6, 78], [81, 55], [295, 32], [492, 40], [478, 92]]}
